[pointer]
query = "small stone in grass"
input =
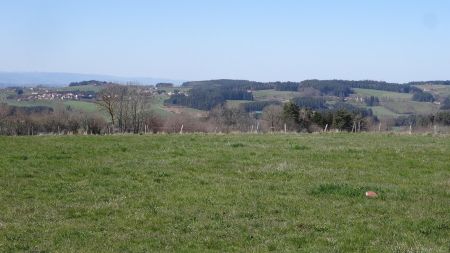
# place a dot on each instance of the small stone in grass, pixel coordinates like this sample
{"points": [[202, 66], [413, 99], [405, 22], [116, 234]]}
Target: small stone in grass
{"points": [[371, 194]]}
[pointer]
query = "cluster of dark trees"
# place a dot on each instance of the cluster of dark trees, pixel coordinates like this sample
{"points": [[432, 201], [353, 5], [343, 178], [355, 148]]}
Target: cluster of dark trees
{"points": [[422, 96], [372, 101], [90, 82], [232, 84], [343, 88], [286, 86], [205, 97], [445, 105], [164, 85], [447, 82], [377, 85], [287, 117], [314, 103], [303, 119], [338, 88], [312, 115]]}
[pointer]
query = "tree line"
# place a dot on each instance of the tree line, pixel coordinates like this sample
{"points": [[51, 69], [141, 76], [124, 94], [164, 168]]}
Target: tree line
{"points": [[91, 82], [446, 82], [233, 84], [291, 117], [372, 101], [127, 109], [422, 96], [36, 120], [319, 84], [207, 97], [425, 121]]}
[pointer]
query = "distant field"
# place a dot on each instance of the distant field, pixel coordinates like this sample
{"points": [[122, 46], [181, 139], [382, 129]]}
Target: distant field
{"points": [[78, 105], [83, 106], [236, 103], [195, 113], [411, 107], [85, 88], [440, 90], [274, 95], [383, 94], [225, 193], [179, 88], [157, 105], [383, 112]]}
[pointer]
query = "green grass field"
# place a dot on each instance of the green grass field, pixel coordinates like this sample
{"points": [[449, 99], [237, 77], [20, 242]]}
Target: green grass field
{"points": [[260, 95], [383, 112], [82, 88], [77, 105], [157, 106], [411, 107], [225, 193], [383, 95], [178, 88], [236, 103]]}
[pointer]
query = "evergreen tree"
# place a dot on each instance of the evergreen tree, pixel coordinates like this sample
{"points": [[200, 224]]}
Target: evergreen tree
{"points": [[291, 116]]}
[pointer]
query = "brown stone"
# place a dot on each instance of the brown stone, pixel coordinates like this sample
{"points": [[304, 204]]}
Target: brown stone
{"points": [[371, 194]]}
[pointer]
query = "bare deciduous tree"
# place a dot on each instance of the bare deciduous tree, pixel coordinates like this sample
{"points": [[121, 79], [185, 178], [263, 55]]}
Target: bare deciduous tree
{"points": [[230, 119], [108, 100], [125, 106], [273, 116]]}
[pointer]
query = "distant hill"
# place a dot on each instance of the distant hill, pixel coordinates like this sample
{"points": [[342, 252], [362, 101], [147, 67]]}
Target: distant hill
{"points": [[64, 79], [90, 82]]}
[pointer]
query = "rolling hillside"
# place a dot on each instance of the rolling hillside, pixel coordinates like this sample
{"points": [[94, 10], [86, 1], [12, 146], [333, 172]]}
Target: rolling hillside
{"points": [[392, 104]]}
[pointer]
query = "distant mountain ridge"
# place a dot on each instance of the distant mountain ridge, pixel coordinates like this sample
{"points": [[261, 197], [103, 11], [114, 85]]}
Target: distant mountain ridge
{"points": [[64, 79]]}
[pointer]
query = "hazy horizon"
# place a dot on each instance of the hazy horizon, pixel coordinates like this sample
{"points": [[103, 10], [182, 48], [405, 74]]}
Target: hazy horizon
{"points": [[28, 78], [253, 40]]}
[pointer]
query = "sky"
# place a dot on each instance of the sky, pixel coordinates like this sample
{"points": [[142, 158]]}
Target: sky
{"points": [[262, 40]]}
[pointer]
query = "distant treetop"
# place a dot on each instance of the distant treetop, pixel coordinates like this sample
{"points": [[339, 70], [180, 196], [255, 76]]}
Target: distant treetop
{"points": [[447, 82], [91, 82], [164, 85]]}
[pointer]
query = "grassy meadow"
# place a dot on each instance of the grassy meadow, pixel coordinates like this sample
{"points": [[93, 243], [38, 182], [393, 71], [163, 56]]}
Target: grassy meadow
{"points": [[383, 95], [261, 95], [74, 104], [438, 90], [225, 193], [81, 88], [411, 107]]}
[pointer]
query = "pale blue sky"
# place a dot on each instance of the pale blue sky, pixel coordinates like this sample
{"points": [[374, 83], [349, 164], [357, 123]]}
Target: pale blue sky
{"points": [[264, 40]]}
